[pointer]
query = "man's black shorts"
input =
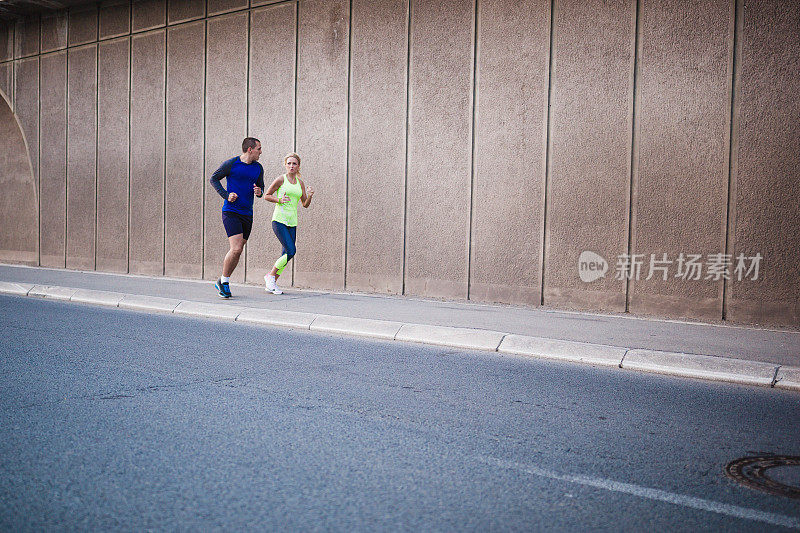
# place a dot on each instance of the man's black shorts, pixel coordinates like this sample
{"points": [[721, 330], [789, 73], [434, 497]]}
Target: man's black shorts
{"points": [[236, 224]]}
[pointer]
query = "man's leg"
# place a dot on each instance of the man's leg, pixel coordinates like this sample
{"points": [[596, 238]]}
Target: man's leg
{"points": [[237, 243], [238, 229], [231, 260]]}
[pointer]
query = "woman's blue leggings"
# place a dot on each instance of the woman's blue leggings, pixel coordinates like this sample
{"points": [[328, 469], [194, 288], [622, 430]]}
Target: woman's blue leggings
{"points": [[287, 235]]}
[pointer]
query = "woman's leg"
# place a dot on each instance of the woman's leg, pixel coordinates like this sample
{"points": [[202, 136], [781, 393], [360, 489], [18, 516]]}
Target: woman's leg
{"points": [[286, 235]]}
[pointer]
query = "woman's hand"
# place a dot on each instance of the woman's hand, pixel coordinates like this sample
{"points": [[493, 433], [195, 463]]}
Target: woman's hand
{"points": [[273, 188], [308, 192]]}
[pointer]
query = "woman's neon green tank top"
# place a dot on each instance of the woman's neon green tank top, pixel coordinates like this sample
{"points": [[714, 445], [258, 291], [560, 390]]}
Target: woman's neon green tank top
{"points": [[287, 213]]}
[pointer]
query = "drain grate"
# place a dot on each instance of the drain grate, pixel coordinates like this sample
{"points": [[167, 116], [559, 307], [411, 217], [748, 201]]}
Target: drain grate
{"points": [[753, 472]]}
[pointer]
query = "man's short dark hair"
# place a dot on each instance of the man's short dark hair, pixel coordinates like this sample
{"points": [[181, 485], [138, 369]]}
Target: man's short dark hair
{"points": [[249, 142]]}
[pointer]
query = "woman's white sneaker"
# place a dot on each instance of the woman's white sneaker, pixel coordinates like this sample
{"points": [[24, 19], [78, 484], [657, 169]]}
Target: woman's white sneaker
{"points": [[272, 285]]}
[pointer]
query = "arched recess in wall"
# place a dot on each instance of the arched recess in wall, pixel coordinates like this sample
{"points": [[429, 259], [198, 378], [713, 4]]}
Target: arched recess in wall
{"points": [[19, 233]]}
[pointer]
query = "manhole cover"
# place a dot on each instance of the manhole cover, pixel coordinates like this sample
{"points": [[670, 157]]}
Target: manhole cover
{"points": [[754, 472]]}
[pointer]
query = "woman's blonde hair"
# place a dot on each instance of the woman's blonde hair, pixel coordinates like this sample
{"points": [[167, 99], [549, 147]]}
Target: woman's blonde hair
{"points": [[292, 154]]}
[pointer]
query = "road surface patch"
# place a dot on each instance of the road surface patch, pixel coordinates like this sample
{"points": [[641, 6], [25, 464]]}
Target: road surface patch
{"points": [[649, 493], [752, 472]]}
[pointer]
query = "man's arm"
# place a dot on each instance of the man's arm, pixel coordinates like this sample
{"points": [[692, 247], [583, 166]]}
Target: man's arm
{"points": [[216, 178], [260, 183]]}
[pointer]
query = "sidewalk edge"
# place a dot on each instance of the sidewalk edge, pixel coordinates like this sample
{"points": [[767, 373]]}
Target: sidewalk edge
{"points": [[678, 364]]}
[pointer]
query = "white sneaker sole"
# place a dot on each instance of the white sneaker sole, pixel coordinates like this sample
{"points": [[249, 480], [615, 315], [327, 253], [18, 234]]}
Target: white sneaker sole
{"points": [[273, 290]]}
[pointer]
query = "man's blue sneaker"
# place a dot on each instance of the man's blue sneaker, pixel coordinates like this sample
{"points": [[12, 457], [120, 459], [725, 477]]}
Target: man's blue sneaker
{"points": [[223, 288]]}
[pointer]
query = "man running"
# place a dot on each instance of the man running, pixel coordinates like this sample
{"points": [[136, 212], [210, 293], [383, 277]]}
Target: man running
{"points": [[245, 178]]}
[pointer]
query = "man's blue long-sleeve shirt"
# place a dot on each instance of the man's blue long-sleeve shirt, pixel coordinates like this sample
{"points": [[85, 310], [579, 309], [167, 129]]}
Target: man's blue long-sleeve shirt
{"points": [[240, 179]]}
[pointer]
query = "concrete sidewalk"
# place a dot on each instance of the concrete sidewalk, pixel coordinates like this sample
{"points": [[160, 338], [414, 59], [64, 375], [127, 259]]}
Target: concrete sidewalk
{"points": [[768, 357]]}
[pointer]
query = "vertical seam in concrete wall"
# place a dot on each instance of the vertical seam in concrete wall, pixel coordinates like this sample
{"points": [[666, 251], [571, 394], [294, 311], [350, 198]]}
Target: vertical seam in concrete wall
{"points": [[96, 135], [405, 170], [66, 157], [546, 199], [294, 93], [472, 141], [39, 158], [634, 170], [13, 90], [164, 182], [347, 140], [130, 139], [247, 117], [294, 96], [38, 176], [733, 142], [203, 181]]}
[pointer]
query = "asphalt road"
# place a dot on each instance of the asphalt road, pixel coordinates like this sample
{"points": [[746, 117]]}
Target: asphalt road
{"points": [[116, 420]]}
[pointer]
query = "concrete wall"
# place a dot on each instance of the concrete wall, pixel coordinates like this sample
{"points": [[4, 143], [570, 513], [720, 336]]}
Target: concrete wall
{"points": [[510, 151], [681, 163], [377, 158], [460, 149], [113, 121], [765, 182], [183, 202], [271, 105], [590, 148], [20, 201]]}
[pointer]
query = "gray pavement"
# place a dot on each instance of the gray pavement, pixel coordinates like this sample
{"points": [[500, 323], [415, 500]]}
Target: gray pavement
{"points": [[114, 420], [757, 356]]}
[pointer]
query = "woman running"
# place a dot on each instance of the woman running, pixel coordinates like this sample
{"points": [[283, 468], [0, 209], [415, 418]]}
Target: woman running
{"points": [[286, 192]]}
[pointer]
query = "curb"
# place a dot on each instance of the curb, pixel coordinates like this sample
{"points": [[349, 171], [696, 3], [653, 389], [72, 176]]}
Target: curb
{"points": [[149, 303], [85, 296], [471, 339], [50, 291], [705, 367], [702, 366], [17, 289], [365, 327], [577, 352], [788, 377], [284, 319], [207, 310]]}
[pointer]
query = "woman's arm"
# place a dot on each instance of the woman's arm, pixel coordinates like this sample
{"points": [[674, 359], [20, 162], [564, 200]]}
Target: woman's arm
{"points": [[273, 188], [306, 198]]}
